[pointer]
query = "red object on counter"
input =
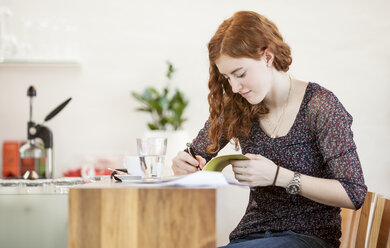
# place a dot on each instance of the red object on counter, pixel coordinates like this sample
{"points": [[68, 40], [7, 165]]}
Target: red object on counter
{"points": [[102, 172], [72, 173], [10, 159], [77, 172], [27, 164]]}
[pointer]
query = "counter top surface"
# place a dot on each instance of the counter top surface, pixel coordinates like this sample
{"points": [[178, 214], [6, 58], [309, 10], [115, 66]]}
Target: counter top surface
{"points": [[196, 180], [107, 184]]}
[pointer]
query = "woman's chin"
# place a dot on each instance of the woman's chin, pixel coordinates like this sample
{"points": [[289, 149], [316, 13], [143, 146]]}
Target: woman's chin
{"points": [[253, 101]]}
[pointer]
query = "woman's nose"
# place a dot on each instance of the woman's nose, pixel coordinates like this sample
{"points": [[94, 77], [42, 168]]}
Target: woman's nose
{"points": [[236, 86]]}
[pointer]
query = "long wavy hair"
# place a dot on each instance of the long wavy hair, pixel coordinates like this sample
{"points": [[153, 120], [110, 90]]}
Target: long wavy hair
{"points": [[245, 34]]}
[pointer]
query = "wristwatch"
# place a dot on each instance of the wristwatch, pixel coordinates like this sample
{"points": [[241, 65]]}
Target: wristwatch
{"points": [[294, 186]]}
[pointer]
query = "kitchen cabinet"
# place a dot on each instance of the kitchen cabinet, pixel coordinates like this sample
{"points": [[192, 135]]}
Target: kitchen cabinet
{"points": [[33, 220], [34, 213]]}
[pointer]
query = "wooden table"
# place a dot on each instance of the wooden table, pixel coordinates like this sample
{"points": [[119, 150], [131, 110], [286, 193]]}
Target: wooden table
{"points": [[107, 214]]}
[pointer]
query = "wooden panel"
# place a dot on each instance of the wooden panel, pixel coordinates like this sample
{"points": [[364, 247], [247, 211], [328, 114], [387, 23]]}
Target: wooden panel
{"points": [[119, 217], [354, 224], [84, 222], [384, 229], [347, 216], [378, 235], [363, 221], [142, 217], [374, 233], [177, 218]]}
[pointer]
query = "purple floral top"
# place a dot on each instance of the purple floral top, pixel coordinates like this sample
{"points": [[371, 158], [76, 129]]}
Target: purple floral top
{"points": [[320, 144]]}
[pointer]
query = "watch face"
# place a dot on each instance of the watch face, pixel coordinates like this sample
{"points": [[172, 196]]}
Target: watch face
{"points": [[293, 189]]}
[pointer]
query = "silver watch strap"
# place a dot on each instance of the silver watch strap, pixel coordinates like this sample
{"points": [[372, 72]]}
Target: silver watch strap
{"points": [[297, 177]]}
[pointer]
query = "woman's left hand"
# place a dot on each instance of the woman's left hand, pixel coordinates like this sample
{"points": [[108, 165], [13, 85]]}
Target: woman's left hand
{"points": [[258, 171]]}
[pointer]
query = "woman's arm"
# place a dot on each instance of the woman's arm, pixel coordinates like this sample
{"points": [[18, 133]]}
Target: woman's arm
{"points": [[326, 191], [184, 163], [261, 171]]}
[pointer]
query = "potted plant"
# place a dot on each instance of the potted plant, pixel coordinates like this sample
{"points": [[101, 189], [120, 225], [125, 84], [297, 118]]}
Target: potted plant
{"points": [[166, 109]]}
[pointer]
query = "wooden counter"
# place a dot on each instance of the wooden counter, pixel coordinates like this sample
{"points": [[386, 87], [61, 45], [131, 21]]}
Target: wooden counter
{"points": [[115, 215]]}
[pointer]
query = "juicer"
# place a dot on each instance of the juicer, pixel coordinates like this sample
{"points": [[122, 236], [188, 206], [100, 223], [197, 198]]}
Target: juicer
{"points": [[40, 131]]}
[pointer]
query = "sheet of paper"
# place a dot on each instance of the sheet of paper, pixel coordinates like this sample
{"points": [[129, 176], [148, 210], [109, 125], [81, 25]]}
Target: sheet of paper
{"points": [[200, 179], [197, 179]]}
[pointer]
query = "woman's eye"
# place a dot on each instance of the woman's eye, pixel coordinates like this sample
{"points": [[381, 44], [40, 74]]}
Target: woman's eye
{"points": [[241, 76]]}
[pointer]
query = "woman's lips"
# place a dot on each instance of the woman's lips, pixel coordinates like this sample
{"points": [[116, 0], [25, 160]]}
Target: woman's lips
{"points": [[245, 94]]}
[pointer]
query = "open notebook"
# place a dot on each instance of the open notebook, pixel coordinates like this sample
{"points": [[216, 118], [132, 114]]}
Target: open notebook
{"points": [[220, 162]]}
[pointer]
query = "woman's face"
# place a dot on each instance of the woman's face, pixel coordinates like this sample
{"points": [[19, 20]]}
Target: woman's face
{"points": [[248, 77]]}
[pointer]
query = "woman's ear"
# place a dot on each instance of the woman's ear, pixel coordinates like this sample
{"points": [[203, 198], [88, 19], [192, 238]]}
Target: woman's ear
{"points": [[269, 56]]}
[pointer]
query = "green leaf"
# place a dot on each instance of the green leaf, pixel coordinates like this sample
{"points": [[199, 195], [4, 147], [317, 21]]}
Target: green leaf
{"points": [[153, 91], [155, 106], [166, 109], [138, 97], [170, 70], [164, 121], [166, 91], [152, 126], [144, 109], [164, 103], [170, 120]]}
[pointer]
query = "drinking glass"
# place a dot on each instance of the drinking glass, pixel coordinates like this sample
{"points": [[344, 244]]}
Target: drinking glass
{"points": [[151, 152]]}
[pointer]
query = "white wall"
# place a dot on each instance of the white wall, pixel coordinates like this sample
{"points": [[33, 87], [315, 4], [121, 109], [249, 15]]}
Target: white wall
{"points": [[343, 45]]}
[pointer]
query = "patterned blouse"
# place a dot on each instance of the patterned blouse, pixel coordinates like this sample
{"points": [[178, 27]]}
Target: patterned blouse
{"points": [[319, 144]]}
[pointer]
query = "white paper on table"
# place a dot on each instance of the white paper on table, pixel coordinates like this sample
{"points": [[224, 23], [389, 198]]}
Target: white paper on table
{"points": [[199, 179]]}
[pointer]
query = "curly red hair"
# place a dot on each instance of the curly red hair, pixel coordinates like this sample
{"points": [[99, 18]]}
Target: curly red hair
{"points": [[245, 34]]}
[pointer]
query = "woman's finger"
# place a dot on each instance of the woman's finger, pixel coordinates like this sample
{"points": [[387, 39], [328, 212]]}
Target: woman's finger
{"points": [[253, 156], [239, 170], [183, 165], [247, 183], [179, 171], [239, 163], [242, 178], [188, 158], [202, 161], [183, 169]]}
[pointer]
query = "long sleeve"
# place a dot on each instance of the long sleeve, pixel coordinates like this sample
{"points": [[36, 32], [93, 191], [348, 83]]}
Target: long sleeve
{"points": [[202, 141], [331, 124]]}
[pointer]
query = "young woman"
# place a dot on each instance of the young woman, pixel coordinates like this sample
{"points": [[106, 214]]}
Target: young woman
{"points": [[303, 162]]}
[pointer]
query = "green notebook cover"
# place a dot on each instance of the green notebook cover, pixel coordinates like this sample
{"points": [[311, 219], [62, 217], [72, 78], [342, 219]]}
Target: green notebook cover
{"points": [[220, 162]]}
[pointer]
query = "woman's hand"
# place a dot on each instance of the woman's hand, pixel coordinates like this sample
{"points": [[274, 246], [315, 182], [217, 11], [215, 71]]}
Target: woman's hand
{"points": [[258, 171], [184, 163]]}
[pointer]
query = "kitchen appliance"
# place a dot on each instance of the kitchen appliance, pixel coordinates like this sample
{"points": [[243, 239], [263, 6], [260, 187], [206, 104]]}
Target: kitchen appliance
{"points": [[34, 131]]}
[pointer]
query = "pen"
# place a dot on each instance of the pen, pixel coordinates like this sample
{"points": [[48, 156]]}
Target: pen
{"points": [[190, 151]]}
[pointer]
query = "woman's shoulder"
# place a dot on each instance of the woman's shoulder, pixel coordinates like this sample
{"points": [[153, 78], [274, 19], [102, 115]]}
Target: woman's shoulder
{"points": [[318, 90], [323, 104], [319, 96]]}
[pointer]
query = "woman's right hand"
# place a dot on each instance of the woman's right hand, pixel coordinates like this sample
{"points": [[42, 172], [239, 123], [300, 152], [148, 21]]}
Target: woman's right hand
{"points": [[184, 163]]}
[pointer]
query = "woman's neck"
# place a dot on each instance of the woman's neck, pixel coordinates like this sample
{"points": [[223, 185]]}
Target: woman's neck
{"points": [[281, 87]]}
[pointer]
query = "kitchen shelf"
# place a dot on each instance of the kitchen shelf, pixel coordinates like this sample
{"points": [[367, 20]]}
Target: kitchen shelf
{"points": [[59, 62]]}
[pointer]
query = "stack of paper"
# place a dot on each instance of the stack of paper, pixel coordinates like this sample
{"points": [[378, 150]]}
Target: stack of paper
{"points": [[197, 179], [202, 179]]}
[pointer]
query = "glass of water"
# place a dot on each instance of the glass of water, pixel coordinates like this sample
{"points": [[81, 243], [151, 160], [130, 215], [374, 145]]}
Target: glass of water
{"points": [[151, 152]]}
